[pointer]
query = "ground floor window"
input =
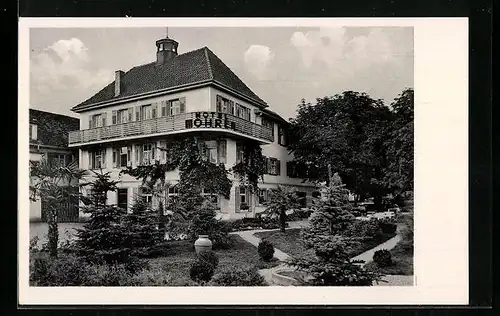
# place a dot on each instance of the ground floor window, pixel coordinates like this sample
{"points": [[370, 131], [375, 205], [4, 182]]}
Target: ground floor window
{"points": [[97, 159], [147, 196], [122, 198], [244, 198]]}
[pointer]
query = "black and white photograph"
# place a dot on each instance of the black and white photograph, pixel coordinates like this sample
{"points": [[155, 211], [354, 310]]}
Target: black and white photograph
{"points": [[178, 155]]}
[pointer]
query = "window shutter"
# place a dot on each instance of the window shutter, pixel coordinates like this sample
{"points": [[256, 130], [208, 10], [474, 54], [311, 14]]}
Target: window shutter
{"points": [[113, 117], [90, 121], [137, 113], [104, 117], [163, 109], [167, 106], [237, 199], [278, 167], [129, 154], [268, 165], [218, 104], [91, 164], [154, 109], [103, 155], [222, 151], [137, 154], [115, 154], [182, 102], [130, 114], [153, 153]]}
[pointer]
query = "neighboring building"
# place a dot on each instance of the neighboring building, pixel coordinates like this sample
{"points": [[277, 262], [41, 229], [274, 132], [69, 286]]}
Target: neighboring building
{"points": [[193, 93], [49, 140]]}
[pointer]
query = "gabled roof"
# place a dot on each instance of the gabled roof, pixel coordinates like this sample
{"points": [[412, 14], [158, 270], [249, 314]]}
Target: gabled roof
{"points": [[53, 129], [193, 67]]}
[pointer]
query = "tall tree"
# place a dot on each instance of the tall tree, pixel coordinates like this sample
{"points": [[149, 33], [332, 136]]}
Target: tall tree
{"points": [[281, 200], [400, 145], [345, 132], [54, 185]]}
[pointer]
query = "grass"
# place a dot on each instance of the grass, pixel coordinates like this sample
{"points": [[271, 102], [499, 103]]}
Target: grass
{"points": [[402, 263], [291, 243], [241, 254]]}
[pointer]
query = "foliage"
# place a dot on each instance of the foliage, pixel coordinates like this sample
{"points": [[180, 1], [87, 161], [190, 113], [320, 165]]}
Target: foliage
{"points": [[331, 264], [398, 174], [53, 185], [407, 235], [369, 144], [103, 237], [265, 250], [202, 269], [205, 223], [367, 229], [253, 165], [233, 276], [248, 223], [382, 258], [63, 271], [281, 200], [142, 228], [387, 225], [210, 257]]}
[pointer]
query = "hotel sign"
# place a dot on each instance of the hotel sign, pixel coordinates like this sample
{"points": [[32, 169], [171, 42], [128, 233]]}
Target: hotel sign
{"points": [[210, 120]]}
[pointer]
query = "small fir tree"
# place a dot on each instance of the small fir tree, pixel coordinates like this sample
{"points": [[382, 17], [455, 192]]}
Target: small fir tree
{"points": [[142, 227], [332, 265], [103, 236]]}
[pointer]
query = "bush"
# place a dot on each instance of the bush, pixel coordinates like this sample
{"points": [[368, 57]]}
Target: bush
{"points": [[367, 229], [63, 271], [382, 258], [388, 226], [266, 250], [205, 223], [203, 267], [232, 276], [253, 223]]}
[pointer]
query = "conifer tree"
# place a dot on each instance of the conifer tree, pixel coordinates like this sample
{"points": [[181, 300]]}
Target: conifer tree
{"points": [[102, 237], [331, 265]]}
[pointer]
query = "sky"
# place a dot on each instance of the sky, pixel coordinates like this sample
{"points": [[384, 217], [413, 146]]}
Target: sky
{"points": [[282, 65]]}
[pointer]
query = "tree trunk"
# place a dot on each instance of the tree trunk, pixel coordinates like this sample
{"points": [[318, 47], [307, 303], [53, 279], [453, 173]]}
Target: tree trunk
{"points": [[53, 233], [282, 221]]}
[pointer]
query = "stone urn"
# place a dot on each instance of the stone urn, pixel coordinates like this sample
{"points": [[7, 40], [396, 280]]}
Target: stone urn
{"points": [[202, 244]]}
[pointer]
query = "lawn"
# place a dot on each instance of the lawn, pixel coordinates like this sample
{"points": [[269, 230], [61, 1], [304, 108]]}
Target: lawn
{"points": [[291, 243], [402, 263], [180, 254]]}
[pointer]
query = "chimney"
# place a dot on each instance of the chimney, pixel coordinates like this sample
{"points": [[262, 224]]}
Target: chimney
{"points": [[118, 82], [166, 49]]}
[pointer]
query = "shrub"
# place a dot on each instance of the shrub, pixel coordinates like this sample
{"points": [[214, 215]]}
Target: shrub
{"points": [[367, 229], [388, 226], [232, 276], [109, 275], [382, 258], [201, 271], [63, 271], [210, 257], [203, 267], [266, 250]]}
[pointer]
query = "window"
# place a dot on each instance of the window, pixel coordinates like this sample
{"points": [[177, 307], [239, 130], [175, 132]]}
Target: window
{"points": [[273, 166], [175, 107], [146, 112], [240, 151], [122, 157], [224, 105], [97, 159], [33, 132], [263, 196], [269, 124], [147, 196], [122, 116], [147, 153], [281, 135], [97, 120], [56, 160], [243, 196], [163, 108], [211, 151], [242, 112]]}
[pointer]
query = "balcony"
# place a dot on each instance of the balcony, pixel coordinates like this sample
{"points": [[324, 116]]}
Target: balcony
{"points": [[186, 122]]}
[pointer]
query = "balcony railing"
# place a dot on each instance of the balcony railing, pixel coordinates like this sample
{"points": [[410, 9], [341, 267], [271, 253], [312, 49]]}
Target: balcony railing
{"points": [[165, 125]]}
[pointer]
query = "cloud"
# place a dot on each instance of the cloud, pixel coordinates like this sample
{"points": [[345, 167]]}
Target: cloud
{"points": [[341, 52], [258, 59], [65, 66]]}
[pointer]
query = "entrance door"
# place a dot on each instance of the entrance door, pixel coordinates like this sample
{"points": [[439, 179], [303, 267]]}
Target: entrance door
{"points": [[122, 198]]}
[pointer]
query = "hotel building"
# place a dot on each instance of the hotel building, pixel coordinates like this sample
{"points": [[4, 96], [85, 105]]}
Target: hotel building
{"points": [[177, 95]]}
